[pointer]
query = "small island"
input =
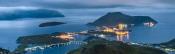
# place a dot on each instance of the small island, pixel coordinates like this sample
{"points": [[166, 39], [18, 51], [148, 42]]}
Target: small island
{"points": [[46, 24], [114, 18]]}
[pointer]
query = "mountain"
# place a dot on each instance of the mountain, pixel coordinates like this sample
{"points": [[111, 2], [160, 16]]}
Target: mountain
{"points": [[42, 39], [34, 13], [113, 18], [143, 19]]}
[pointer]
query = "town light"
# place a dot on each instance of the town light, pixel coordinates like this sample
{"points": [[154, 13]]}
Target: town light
{"points": [[65, 36], [149, 24]]}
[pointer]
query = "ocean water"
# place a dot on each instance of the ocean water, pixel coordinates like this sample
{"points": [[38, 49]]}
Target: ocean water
{"points": [[10, 30]]}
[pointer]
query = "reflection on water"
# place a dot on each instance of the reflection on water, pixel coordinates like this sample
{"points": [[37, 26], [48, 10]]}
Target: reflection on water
{"points": [[120, 30]]}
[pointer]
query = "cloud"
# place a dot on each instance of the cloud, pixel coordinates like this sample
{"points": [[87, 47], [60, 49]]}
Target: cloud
{"points": [[69, 4], [94, 7], [167, 1], [63, 3], [76, 7], [29, 13]]}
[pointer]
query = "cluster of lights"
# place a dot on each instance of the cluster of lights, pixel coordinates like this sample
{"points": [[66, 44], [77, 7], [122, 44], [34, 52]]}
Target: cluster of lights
{"points": [[108, 29], [122, 26], [65, 36], [120, 30], [149, 24]]}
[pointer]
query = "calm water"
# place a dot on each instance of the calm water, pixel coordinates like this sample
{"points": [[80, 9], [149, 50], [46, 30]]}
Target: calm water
{"points": [[11, 30]]}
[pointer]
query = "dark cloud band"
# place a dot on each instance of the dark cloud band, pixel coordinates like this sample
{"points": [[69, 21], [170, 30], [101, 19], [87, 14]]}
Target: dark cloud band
{"points": [[73, 4]]}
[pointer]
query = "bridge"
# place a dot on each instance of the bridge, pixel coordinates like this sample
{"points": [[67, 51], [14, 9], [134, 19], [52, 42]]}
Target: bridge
{"points": [[29, 49]]}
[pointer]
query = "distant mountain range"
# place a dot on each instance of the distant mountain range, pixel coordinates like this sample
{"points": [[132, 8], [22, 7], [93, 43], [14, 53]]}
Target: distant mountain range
{"points": [[114, 18], [34, 13]]}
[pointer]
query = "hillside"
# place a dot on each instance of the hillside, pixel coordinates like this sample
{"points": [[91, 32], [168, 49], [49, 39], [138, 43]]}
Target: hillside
{"points": [[4, 51], [114, 18], [169, 44], [113, 47]]}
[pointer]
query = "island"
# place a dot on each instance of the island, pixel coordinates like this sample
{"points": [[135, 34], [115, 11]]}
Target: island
{"points": [[42, 40], [114, 18], [102, 46], [46, 24], [33, 13]]}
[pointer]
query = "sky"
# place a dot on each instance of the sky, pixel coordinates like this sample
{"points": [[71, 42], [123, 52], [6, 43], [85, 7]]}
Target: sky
{"points": [[91, 5]]}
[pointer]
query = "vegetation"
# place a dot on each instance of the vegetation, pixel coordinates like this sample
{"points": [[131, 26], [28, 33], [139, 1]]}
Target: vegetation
{"points": [[102, 46], [114, 18], [169, 44], [43, 39], [20, 49], [4, 51], [50, 24]]}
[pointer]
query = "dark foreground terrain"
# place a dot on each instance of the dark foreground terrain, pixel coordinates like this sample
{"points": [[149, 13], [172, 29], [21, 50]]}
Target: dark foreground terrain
{"points": [[4, 51], [114, 47], [169, 44]]}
